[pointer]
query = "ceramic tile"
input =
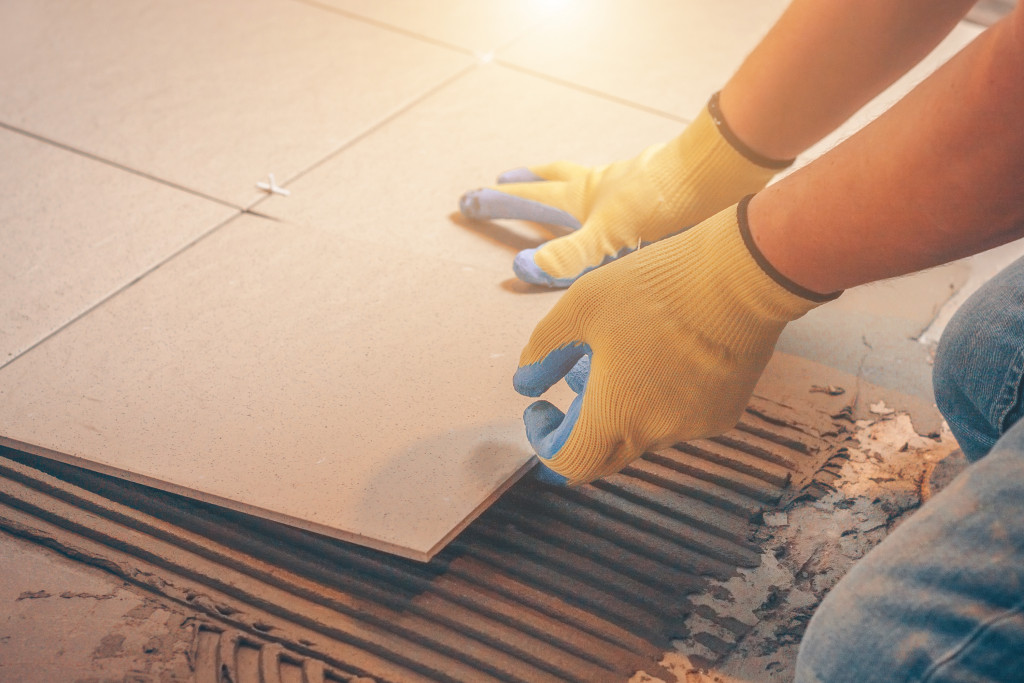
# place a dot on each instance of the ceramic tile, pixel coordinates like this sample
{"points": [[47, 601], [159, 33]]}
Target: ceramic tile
{"points": [[662, 54], [477, 25], [671, 56], [76, 230], [280, 370], [212, 96], [458, 139]]}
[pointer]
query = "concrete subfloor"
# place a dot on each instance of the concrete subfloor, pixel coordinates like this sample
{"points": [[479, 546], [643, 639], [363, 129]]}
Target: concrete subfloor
{"points": [[62, 620]]}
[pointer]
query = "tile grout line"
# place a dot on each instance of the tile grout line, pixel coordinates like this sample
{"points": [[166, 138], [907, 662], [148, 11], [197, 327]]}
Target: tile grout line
{"points": [[387, 27], [401, 110], [497, 60], [124, 287], [117, 165], [593, 92], [359, 137], [569, 84]]}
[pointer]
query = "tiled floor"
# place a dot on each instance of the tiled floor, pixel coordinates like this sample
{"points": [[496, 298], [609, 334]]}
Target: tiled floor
{"points": [[212, 97], [76, 230], [339, 358], [669, 56]]}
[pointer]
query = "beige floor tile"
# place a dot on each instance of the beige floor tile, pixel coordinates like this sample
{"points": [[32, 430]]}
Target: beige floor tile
{"points": [[672, 55], [75, 231], [460, 138], [212, 96], [659, 53], [284, 371], [478, 25]]}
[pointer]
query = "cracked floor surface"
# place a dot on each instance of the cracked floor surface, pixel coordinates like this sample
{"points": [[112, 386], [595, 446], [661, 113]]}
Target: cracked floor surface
{"points": [[751, 625], [61, 620]]}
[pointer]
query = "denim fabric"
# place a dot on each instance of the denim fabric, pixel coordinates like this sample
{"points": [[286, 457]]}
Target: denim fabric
{"points": [[979, 364], [942, 598]]}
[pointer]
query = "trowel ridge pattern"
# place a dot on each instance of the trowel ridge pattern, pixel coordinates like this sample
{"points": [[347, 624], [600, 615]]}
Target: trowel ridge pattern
{"points": [[589, 584]]}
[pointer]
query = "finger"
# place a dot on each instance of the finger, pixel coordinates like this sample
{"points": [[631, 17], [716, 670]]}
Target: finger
{"points": [[559, 170], [542, 418], [519, 175], [536, 378], [578, 376], [575, 257], [570, 257], [547, 428], [526, 269], [547, 475], [511, 202]]}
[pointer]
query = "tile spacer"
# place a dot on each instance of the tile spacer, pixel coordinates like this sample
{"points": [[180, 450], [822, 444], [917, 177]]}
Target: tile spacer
{"points": [[273, 188]]}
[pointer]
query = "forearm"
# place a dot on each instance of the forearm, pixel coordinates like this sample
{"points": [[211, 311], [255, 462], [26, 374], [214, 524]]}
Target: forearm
{"points": [[937, 177], [822, 61]]}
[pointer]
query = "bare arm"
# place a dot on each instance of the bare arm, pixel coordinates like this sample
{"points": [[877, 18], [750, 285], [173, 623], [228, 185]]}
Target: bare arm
{"points": [[822, 61], [937, 177]]}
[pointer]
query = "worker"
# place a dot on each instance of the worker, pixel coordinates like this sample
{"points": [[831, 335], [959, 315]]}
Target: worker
{"points": [[686, 265]]}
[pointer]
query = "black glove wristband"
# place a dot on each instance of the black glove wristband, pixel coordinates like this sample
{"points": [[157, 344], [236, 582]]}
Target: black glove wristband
{"points": [[716, 115], [768, 268]]}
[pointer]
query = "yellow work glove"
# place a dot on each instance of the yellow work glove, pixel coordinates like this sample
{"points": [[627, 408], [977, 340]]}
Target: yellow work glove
{"points": [[677, 335], [614, 208]]}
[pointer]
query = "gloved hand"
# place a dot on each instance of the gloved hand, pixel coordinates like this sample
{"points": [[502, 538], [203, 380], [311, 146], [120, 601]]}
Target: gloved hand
{"points": [[677, 335], [614, 208]]}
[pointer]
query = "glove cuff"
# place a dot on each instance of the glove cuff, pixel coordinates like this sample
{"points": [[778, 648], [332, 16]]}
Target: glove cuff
{"points": [[767, 267], [706, 168], [748, 291], [715, 111]]}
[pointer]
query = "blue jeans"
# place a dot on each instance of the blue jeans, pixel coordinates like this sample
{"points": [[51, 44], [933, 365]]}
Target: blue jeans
{"points": [[942, 598]]}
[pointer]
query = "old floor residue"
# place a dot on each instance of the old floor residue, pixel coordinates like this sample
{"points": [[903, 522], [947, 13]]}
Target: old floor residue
{"points": [[882, 474], [587, 584]]}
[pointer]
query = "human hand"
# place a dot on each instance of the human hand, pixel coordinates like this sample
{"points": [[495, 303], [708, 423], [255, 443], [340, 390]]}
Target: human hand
{"points": [[616, 207], [673, 340]]}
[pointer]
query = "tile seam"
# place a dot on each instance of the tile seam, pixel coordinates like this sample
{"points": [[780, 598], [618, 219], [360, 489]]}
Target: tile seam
{"points": [[348, 14], [370, 130], [115, 164], [592, 91], [124, 287]]}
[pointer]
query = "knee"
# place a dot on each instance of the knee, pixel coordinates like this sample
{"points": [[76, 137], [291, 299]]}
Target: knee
{"points": [[940, 597], [979, 363], [825, 646], [841, 641], [956, 359]]}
